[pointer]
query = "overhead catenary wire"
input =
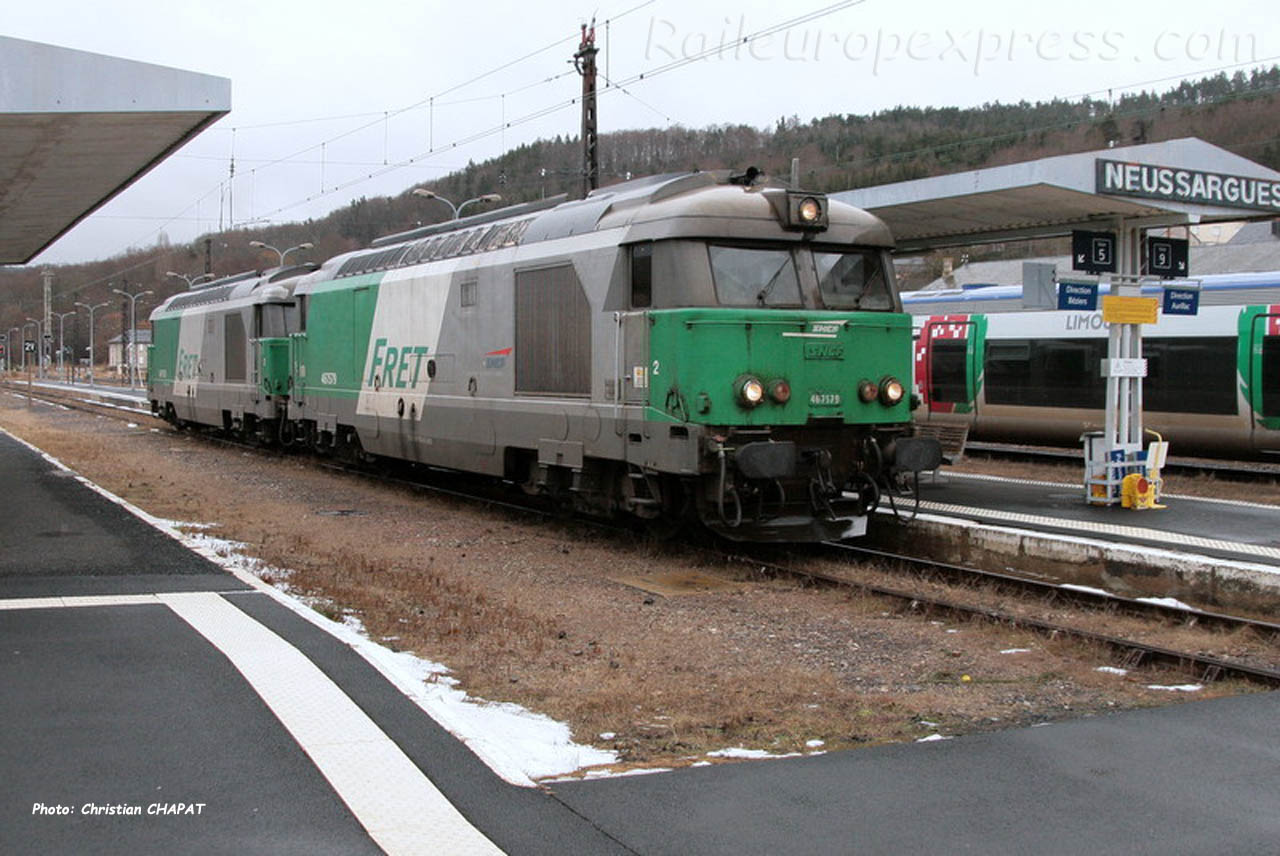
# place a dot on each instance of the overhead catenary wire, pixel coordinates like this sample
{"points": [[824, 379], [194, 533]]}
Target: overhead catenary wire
{"points": [[649, 74], [623, 85]]}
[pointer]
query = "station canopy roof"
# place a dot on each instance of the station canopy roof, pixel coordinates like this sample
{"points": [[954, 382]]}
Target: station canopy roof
{"points": [[77, 128], [1178, 182]]}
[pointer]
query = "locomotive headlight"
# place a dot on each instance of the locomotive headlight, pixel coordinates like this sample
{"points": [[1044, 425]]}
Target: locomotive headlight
{"points": [[809, 210], [750, 390], [805, 211], [867, 391], [780, 391], [891, 391]]}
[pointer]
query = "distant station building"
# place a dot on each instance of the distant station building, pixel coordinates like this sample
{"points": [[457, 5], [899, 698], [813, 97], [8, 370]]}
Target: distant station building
{"points": [[121, 355], [1221, 248]]}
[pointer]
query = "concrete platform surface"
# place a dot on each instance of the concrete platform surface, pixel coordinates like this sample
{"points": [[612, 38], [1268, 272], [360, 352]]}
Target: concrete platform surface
{"points": [[1230, 529]]}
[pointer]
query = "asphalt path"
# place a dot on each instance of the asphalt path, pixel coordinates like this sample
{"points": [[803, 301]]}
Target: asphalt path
{"points": [[130, 725], [1196, 778]]}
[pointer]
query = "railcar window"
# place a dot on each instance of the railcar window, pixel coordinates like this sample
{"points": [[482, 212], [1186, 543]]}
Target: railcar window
{"points": [[948, 380], [1184, 375], [1045, 373], [1270, 376], [1192, 375], [642, 275], [852, 280], [749, 277], [467, 293]]}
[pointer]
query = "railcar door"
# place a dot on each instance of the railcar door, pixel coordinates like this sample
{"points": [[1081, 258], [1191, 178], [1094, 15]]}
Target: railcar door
{"points": [[1263, 374], [949, 360]]}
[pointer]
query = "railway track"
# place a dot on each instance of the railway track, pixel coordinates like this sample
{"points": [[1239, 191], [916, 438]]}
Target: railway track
{"points": [[1130, 652]]}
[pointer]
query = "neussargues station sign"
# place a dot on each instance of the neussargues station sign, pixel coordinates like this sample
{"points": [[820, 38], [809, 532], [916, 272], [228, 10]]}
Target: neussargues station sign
{"points": [[1149, 181]]}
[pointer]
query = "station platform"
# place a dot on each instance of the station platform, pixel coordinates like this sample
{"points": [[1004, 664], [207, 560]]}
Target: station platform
{"points": [[1209, 552], [107, 393]]}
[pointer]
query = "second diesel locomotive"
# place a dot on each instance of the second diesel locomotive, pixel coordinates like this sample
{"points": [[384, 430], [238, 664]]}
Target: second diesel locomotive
{"points": [[683, 345]]}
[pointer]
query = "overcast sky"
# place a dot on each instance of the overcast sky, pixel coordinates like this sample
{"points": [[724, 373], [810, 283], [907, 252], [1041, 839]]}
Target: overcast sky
{"points": [[343, 74]]}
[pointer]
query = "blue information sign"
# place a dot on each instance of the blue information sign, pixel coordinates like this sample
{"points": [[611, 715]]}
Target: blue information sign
{"points": [[1181, 301], [1080, 296]]}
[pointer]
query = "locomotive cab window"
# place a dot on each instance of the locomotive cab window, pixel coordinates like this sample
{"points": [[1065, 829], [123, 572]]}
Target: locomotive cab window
{"points": [[273, 320], [642, 275], [853, 280], [754, 277]]}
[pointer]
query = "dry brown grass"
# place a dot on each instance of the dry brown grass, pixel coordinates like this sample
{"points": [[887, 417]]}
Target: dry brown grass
{"points": [[530, 611]]}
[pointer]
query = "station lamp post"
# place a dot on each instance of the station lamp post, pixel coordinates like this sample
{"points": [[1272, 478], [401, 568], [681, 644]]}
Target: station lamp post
{"points": [[62, 318], [39, 345], [456, 209], [282, 253], [15, 340], [92, 309], [191, 281], [133, 332]]}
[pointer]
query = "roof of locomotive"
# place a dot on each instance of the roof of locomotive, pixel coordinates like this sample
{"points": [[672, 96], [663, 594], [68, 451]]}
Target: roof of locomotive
{"points": [[698, 205], [684, 205], [262, 286]]}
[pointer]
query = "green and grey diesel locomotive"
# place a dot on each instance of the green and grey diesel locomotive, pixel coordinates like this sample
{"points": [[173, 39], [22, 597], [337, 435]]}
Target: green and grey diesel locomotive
{"points": [[686, 345]]}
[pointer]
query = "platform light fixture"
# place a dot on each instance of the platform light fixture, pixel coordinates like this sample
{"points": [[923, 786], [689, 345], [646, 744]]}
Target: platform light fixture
{"points": [[306, 245], [456, 209]]}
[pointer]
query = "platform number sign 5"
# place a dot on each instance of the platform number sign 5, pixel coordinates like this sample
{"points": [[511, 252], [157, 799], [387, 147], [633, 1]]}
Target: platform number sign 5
{"points": [[1093, 252]]}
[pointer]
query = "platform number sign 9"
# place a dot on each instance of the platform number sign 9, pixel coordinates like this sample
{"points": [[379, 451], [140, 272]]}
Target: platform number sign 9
{"points": [[1167, 257]]}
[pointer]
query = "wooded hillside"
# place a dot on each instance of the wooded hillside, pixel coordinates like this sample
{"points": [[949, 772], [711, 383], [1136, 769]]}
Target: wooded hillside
{"points": [[836, 152]]}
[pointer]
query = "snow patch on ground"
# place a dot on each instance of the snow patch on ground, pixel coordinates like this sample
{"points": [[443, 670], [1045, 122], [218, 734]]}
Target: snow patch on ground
{"points": [[1177, 688], [752, 754], [1086, 589], [1171, 602], [1111, 670], [516, 743]]}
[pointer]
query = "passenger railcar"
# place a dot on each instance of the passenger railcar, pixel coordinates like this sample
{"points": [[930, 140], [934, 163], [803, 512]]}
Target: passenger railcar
{"points": [[1213, 382], [681, 345]]}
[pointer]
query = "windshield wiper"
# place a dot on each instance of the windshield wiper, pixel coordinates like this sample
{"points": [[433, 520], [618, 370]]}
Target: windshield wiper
{"points": [[773, 280]]}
